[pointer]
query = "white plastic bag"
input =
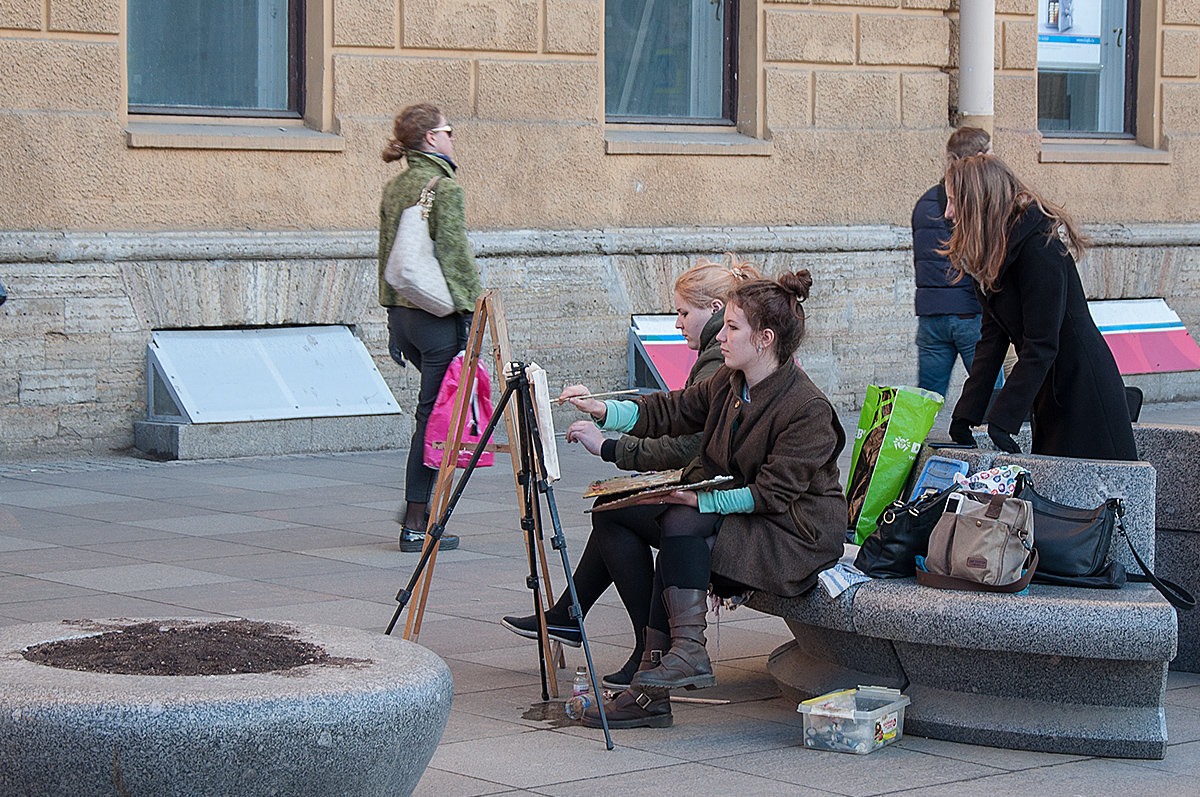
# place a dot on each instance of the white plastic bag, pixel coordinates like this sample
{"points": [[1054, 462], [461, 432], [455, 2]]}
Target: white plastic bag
{"points": [[412, 267]]}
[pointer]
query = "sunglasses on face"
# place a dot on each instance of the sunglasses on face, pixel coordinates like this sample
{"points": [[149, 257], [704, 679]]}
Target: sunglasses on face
{"points": [[447, 129]]}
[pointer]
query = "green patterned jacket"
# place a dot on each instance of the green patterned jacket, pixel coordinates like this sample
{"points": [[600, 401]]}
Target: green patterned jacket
{"points": [[447, 227]]}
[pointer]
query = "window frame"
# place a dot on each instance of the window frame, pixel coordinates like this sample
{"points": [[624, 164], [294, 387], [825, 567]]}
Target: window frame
{"points": [[297, 95], [730, 38], [1129, 110]]}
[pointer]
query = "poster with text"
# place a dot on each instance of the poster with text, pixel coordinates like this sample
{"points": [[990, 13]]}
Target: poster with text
{"points": [[1068, 33]]}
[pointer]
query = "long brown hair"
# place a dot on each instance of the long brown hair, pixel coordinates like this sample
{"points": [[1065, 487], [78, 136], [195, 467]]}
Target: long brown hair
{"points": [[409, 129], [777, 305], [988, 200]]}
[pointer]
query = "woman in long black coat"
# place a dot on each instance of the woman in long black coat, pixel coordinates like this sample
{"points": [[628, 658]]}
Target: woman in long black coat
{"points": [[1018, 248]]}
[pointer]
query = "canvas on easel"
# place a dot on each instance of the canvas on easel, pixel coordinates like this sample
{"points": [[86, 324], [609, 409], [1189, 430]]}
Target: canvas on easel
{"points": [[545, 419]]}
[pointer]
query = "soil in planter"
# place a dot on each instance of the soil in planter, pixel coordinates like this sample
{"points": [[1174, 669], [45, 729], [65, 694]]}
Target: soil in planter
{"points": [[153, 648]]}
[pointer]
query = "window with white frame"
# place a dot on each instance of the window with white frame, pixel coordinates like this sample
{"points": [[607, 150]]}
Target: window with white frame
{"points": [[1087, 51], [670, 61], [216, 57]]}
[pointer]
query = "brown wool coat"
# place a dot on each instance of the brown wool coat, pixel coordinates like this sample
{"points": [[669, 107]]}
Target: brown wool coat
{"points": [[783, 444]]}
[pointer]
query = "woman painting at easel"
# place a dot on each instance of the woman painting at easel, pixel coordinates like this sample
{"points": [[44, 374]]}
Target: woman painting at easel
{"points": [[766, 424], [425, 140], [700, 295]]}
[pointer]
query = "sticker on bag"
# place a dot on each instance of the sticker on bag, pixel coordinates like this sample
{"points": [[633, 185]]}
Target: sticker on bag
{"points": [[891, 427]]}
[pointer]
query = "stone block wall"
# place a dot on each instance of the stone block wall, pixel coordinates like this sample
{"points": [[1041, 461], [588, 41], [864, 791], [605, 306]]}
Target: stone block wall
{"points": [[847, 104], [871, 57], [853, 101], [82, 306]]}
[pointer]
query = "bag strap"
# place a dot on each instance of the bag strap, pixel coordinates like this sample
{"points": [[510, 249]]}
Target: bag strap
{"points": [[425, 201], [950, 582], [1176, 595], [995, 506]]}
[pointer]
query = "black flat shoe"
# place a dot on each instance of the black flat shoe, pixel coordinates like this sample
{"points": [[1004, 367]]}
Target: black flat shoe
{"points": [[528, 627], [413, 541], [621, 678]]}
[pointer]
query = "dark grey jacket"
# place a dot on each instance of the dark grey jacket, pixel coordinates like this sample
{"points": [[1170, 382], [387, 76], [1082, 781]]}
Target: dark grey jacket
{"points": [[937, 292]]}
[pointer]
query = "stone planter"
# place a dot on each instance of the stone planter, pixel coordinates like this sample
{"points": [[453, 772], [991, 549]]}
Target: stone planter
{"points": [[365, 725]]}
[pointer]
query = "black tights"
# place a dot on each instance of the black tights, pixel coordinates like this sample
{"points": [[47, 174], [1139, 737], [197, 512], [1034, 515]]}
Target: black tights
{"points": [[618, 552], [684, 559]]}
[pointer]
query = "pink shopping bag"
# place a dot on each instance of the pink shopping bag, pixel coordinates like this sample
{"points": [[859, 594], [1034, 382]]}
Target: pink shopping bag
{"points": [[479, 412]]}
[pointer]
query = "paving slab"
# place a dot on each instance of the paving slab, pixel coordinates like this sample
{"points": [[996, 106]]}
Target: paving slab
{"points": [[136, 578], [540, 758], [312, 539]]}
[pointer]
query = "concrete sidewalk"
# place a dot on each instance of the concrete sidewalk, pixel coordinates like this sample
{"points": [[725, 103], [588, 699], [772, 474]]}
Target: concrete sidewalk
{"points": [[313, 539]]}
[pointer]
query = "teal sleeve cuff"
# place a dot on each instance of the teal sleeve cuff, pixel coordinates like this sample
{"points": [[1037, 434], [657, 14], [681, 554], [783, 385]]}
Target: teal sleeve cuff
{"points": [[621, 417], [726, 502]]}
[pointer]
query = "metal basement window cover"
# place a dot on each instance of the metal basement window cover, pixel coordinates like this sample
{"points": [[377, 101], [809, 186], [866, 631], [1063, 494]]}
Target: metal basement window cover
{"points": [[225, 375]]}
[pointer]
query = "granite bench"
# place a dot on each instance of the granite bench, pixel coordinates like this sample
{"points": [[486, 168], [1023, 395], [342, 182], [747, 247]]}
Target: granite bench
{"points": [[1172, 450], [1058, 670]]}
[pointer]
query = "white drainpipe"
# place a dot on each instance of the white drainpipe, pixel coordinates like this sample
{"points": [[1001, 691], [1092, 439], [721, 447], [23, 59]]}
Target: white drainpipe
{"points": [[976, 54]]}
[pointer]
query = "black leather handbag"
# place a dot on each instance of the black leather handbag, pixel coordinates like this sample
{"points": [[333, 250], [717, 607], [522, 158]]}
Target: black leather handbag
{"points": [[1073, 545], [901, 534]]}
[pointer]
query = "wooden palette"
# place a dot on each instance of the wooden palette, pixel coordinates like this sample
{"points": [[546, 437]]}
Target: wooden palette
{"points": [[663, 489]]}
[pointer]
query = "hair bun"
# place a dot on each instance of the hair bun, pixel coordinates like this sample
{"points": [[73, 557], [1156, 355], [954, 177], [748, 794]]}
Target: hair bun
{"points": [[797, 283], [743, 270]]}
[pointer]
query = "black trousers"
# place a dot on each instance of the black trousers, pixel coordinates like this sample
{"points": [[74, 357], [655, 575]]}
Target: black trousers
{"points": [[429, 343], [619, 551]]}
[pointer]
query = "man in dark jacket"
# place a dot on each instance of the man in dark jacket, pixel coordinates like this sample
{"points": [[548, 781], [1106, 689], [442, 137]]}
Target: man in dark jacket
{"points": [[948, 315]]}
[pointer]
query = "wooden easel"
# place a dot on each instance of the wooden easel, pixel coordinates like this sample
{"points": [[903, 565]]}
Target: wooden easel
{"points": [[489, 310]]}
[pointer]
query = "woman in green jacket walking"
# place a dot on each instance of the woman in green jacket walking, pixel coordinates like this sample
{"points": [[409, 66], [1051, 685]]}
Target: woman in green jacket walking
{"points": [[616, 546], [425, 140]]}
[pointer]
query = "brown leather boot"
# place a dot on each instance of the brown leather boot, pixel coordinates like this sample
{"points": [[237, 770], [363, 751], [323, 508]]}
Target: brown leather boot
{"points": [[638, 706], [686, 664]]}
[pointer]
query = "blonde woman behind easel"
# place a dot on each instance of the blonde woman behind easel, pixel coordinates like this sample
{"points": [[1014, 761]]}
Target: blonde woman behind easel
{"points": [[700, 295]]}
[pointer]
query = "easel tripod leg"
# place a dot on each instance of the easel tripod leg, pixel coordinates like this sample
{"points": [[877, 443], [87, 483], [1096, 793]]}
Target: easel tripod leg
{"points": [[435, 533], [559, 542]]}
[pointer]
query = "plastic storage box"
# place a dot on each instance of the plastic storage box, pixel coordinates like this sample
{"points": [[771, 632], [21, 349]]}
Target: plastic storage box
{"points": [[855, 720]]}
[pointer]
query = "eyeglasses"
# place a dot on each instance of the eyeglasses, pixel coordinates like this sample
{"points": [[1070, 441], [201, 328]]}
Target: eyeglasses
{"points": [[447, 129]]}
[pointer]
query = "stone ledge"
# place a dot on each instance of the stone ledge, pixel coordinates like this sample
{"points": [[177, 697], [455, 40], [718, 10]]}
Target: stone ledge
{"points": [[1051, 621], [258, 438], [1171, 448], [1100, 151], [683, 142], [1085, 670], [36, 246], [200, 134]]}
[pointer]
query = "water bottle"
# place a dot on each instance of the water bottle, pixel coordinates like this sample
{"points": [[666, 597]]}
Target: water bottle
{"points": [[579, 704], [581, 694]]}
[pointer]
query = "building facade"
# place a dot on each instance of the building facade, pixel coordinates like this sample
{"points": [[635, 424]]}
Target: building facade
{"points": [[167, 168]]}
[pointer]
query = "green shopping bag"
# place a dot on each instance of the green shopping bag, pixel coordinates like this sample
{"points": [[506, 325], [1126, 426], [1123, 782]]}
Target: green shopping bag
{"points": [[891, 428]]}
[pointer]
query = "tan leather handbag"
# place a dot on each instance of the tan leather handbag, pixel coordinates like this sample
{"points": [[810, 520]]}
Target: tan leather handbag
{"points": [[987, 546]]}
